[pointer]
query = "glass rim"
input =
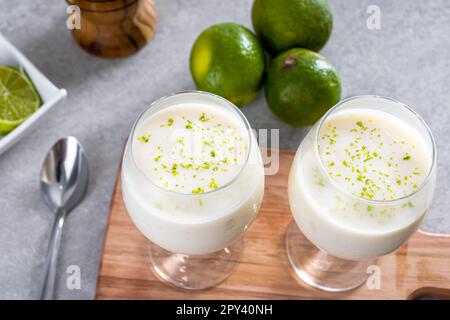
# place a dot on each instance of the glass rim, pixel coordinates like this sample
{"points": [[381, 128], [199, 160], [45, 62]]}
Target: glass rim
{"points": [[203, 93], [350, 194]]}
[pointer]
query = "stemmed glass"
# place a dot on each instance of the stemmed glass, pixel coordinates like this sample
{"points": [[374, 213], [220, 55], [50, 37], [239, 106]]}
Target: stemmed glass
{"points": [[323, 249], [195, 240]]}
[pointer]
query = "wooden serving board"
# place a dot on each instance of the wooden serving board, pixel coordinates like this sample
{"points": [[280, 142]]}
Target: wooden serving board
{"points": [[419, 268]]}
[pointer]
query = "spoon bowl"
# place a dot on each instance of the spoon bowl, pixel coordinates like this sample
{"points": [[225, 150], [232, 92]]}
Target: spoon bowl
{"points": [[64, 174]]}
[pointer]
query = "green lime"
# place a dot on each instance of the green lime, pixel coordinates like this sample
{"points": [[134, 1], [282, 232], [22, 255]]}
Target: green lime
{"points": [[282, 25], [301, 86], [18, 98], [227, 60]]}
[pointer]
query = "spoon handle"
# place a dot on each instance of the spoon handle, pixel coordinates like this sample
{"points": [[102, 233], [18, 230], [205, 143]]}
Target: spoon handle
{"points": [[48, 287]]}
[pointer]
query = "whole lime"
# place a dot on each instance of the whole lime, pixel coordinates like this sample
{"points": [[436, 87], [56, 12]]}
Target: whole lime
{"points": [[228, 60], [286, 24], [301, 86]]}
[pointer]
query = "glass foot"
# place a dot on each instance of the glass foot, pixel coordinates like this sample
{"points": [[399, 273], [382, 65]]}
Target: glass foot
{"points": [[321, 270], [195, 272]]}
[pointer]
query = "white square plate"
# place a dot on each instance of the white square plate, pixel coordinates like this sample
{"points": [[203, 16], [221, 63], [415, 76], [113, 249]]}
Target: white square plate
{"points": [[50, 94]]}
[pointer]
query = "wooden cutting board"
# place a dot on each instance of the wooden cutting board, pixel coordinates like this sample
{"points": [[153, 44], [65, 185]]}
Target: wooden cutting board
{"points": [[419, 268]]}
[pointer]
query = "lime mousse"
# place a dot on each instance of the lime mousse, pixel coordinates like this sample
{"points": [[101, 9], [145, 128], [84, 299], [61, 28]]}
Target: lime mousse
{"points": [[191, 148], [192, 175], [361, 181]]}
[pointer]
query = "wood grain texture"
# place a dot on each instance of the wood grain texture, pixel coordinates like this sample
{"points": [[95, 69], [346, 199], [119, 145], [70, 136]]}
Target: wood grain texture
{"points": [[114, 28], [419, 268]]}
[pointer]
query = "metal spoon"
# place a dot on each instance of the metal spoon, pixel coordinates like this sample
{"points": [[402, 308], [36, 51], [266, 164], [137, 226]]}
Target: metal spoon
{"points": [[63, 181]]}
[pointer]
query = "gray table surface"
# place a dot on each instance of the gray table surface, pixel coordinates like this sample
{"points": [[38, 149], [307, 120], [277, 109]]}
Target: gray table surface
{"points": [[407, 59]]}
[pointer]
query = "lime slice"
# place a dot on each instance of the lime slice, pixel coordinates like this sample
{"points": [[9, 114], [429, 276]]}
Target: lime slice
{"points": [[18, 98]]}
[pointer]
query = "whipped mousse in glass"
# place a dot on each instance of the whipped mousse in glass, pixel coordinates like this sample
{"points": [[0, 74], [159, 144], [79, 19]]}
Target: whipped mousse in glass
{"points": [[192, 182], [361, 183]]}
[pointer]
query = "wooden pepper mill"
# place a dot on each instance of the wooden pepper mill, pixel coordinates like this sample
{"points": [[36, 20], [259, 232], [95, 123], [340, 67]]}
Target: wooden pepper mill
{"points": [[114, 28]]}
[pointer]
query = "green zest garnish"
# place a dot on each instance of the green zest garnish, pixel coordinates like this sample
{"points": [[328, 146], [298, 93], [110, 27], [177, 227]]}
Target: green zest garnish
{"points": [[361, 125], [206, 165], [198, 190], [174, 169], [203, 118], [213, 184], [144, 138]]}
